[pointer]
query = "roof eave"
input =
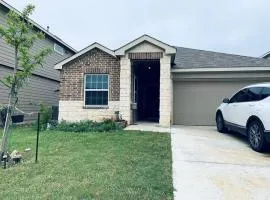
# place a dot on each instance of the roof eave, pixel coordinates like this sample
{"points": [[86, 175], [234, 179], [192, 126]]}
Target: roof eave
{"points": [[224, 69]]}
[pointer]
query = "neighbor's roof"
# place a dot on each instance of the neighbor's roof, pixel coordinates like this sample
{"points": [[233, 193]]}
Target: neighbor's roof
{"points": [[187, 58], [9, 7]]}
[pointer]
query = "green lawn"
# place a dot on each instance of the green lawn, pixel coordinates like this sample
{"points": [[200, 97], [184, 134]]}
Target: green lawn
{"points": [[118, 165]]}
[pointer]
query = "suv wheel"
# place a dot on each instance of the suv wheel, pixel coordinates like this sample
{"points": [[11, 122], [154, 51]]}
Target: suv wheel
{"points": [[255, 136], [220, 123]]}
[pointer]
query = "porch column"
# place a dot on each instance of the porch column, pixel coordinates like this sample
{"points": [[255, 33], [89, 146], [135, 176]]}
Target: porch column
{"points": [[125, 88], [165, 107]]}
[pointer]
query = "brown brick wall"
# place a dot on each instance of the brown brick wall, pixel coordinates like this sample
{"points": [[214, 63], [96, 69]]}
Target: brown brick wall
{"points": [[95, 61]]}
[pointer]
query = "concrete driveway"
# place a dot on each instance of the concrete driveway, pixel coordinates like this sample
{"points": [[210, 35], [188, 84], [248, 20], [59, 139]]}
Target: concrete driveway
{"points": [[211, 165]]}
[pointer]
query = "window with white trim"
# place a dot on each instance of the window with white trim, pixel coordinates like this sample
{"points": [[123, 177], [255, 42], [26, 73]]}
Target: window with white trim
{"points": [[96, 90], [59, 49]]}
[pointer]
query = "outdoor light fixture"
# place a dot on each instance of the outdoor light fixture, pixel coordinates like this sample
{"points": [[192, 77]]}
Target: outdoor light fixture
{"points": [[149, 67]]}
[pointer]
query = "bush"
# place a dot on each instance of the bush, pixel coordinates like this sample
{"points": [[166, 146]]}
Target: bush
{"points": [[53, 124], [45, 115], [88, 126]]}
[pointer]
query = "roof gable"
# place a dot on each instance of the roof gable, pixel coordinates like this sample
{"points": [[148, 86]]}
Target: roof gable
{"points": [[145, 38], [83, 51]]}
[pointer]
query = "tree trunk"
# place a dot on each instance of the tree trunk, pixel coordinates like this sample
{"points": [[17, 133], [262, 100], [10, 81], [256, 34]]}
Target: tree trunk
{"points": [[10, 109], [5, 132]]}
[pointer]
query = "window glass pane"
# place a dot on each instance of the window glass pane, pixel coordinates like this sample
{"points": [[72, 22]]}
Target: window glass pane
{"points": [[99, 85], [88, 85], [104, 98], [88, 78], [99, 78], [94, 78], [105, 79], [59, 49], [88, 98], [88, 82], [93, 85], [96, 98], [105, 85], [254, 93], [241, 96], [96, 81], [99, 98], [265, 93]]}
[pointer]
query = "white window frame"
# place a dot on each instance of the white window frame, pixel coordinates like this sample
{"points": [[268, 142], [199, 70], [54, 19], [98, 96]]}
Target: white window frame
{"points": [[84, 91], [55, 49]]}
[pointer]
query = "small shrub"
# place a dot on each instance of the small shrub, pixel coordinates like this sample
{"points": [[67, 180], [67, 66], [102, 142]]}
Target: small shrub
{"points": [[53, 124], [88, 126], [45, 115]]}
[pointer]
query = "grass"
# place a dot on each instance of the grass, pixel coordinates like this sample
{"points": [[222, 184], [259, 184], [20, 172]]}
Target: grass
{"points": [[117, 165]]}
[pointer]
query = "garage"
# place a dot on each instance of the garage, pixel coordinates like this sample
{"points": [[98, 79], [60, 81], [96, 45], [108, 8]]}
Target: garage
{"points": [[196, 95]]}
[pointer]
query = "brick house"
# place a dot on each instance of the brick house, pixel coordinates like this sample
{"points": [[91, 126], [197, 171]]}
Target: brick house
{"points": [[149, 80]]}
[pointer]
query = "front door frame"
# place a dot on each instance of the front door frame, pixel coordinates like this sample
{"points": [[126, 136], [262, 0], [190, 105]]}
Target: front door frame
{"points": [[165, 98], [145, 48], [137, 95]]}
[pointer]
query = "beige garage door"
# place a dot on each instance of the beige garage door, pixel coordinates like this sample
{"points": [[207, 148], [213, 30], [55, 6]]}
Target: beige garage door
{"points": [[195, 102]]}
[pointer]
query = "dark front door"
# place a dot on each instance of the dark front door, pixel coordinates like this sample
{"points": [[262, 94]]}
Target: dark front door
{"points": [[149, 104], [146, 92]]}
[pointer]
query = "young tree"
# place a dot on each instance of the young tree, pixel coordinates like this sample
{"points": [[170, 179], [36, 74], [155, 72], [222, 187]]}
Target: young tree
{"points": [[21, 35]]}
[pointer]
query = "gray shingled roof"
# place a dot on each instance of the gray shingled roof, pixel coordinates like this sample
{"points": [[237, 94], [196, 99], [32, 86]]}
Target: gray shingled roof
{"points": [[193, 58]]}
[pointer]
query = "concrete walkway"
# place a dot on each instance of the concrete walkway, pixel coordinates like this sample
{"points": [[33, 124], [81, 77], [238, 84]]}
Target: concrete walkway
{"points": [[210, 165], [146, 126]]}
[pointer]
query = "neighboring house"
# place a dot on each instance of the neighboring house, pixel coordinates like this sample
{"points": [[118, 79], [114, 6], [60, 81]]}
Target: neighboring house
{"points": [[148, 80], [44, 84]]}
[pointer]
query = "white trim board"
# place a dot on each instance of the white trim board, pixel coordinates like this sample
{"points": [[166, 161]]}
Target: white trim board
{"points": [[83, 51], [233, 69]]}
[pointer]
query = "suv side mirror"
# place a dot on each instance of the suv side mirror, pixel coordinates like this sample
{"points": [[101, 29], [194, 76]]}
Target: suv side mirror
{"points": [[226, 100]]}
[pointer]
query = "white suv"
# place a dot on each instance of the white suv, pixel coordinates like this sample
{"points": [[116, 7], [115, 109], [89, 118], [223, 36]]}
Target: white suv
{"points": [[247, 112]]}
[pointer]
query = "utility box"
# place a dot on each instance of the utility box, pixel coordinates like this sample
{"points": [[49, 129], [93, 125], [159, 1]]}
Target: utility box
{"points": [[134, 112], [134, 106]]}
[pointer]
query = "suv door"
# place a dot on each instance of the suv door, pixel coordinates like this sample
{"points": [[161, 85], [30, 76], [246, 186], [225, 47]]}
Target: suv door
{"points": [[239, 108], [251, 105], [232, 108]]}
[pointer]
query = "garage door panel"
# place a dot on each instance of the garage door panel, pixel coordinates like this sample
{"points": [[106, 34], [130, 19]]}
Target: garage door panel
{"points": [[195, 102]]}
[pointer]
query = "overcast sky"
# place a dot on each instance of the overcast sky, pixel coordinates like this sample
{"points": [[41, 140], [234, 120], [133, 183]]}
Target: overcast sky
{"points": [[231, 26]]}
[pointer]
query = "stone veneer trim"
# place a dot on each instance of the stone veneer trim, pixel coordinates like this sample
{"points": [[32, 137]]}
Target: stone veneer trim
{"points": [[74, 111]]}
